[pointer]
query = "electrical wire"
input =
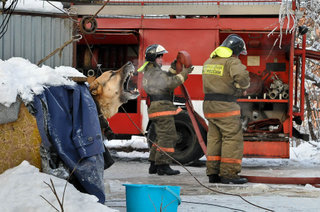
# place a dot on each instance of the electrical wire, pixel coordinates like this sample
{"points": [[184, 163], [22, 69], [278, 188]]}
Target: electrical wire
{"points": [[63, 11], [182, 201], [196, 179], [5, 22], [210, 204]]}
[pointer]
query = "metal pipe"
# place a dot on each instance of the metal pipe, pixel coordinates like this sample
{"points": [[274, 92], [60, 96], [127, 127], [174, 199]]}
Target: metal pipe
{"points": [[303, 72], [273, 94], [285, 94]]}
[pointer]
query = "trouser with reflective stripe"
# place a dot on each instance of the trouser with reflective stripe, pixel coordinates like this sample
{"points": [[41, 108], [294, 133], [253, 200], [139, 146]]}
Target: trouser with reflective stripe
{"points": [[166, 137], [224, 146]]}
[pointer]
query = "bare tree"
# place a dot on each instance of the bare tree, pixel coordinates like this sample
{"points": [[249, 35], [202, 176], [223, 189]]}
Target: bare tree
{"points": [[307, 13]]}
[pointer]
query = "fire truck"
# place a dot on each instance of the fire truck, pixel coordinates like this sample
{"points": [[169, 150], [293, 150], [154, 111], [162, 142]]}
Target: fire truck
{"points": [[275, 100]]}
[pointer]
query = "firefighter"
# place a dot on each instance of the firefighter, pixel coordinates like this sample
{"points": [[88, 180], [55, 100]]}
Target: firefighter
{"points": [[159, 85], [224, 79]]}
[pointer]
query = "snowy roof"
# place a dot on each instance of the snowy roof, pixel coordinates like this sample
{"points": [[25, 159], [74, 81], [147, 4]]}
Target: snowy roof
{"points": [[19, 76]]}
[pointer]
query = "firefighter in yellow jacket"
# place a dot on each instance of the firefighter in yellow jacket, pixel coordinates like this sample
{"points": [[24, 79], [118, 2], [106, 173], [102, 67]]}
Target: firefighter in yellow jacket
{"points": [[159, 85], [224, 79]]}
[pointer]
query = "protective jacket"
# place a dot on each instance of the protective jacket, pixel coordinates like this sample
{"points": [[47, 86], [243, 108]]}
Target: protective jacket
{"points": [[223, 80], [159, 85], [227, 76]]}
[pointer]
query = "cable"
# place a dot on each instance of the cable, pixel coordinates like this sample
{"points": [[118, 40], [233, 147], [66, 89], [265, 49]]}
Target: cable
{"points": [[58, 8], [190, 202], [210, 204], [5, 22], [63, 11], [94, 58], [196, 179]]}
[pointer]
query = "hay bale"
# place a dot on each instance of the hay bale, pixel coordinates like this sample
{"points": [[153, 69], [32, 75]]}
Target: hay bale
{"points": [[20, 140]]}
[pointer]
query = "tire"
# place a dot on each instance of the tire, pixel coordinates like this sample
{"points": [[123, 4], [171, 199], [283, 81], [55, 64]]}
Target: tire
{"points": [[187, 149]]}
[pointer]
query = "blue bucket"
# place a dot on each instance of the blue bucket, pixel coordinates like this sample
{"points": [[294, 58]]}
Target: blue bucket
{"points": [[157, 198]]}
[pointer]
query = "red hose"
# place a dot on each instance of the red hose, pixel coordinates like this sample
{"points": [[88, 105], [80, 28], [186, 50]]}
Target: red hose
{"points": [[315, 181]]}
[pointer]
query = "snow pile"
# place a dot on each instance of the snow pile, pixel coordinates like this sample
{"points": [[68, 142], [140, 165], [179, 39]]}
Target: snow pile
{"points": [[136, 142], [306, 152], [36, 6], [19, 76], [23, 186]]}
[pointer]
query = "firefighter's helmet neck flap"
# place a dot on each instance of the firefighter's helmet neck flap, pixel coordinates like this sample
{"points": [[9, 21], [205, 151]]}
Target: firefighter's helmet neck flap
{"points": [[232, 45]]}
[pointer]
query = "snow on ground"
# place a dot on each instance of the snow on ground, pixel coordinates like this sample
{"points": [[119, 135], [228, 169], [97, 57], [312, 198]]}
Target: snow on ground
{"points": [[136, 142], [23, 186], [305, 154], [284, 198], [208, 203]]}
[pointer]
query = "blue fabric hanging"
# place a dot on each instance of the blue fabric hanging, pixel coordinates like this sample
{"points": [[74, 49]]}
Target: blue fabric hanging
{"points": [[67, 118]]}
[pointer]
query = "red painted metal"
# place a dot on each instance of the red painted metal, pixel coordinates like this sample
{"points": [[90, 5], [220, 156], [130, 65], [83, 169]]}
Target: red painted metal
{"points": [[195, 2], [313, 55], [303, 53], [121, 124], [303, 73], [266, 149], [172, 42], [194, 86], [290, 112], [123, 38], [236, 24], [297, 68], [286, 126]]}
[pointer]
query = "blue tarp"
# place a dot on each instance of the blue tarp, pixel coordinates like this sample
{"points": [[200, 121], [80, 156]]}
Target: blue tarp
{"points": [[67, 119]]}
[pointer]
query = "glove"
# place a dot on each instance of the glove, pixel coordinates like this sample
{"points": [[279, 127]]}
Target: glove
{"points": [[189, 70], [173, 65]]}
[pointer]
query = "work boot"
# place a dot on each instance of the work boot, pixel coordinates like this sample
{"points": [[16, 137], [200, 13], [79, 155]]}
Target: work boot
{"points": [[165, 169], [214, 178], [235, 180], [153, 168]]}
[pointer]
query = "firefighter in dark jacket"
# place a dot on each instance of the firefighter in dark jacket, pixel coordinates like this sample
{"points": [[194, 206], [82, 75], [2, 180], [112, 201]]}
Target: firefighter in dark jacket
{"points": [[224, 79], [159, 85]]}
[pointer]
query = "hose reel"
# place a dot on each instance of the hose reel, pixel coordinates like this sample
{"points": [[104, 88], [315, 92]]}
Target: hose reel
{"points": [[88, 25]]}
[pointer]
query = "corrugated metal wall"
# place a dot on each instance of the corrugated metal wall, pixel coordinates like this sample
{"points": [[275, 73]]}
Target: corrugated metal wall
{"points": [[34, 37]]}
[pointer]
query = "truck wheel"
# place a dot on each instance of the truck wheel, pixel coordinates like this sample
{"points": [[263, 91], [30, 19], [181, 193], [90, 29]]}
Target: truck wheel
{"points": [[187, 148]]}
